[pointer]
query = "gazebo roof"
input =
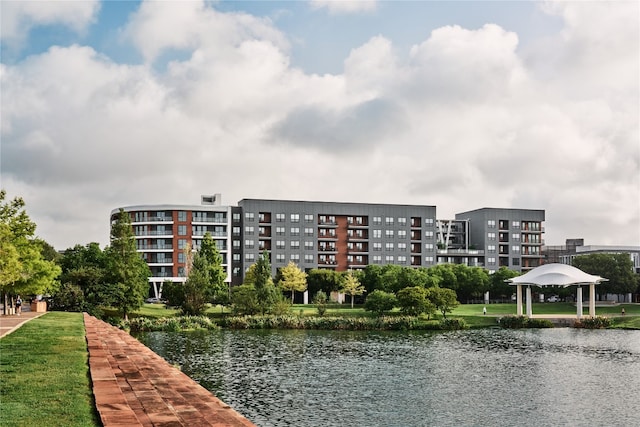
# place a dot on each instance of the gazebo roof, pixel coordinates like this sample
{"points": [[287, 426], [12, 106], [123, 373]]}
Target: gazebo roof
{"points": [[555, 275]]}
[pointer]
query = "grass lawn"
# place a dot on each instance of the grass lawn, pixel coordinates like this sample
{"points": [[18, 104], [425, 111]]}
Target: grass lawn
{"points": [[45, 374]]}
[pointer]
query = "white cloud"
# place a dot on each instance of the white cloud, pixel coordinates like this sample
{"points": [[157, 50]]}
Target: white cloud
{"points": [[345, 6], [463, 120], [19, 17]]}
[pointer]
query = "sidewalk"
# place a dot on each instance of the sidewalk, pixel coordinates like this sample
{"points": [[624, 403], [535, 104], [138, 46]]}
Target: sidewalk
{"points": [[12, 322], [133, 386]]}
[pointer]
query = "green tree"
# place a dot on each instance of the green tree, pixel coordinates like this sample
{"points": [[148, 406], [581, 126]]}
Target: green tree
{"points": [[414, 301], [259, 276], [244, 300], [173, 293], [128, 273], [217, 274], [24, 269], [471, 282], [371, 278], [323, 279], [197, 288], [292, 279], [320, 301], [444, 299], [498, 285], [618, 268], [351, 286], [380, 301]]}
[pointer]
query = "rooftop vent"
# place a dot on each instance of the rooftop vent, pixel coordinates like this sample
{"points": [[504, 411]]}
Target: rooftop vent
{"points": [[215, 199]]}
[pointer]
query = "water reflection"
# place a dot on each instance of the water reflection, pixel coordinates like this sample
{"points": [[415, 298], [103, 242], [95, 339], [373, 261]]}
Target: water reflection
{"points": [[469, 378]]}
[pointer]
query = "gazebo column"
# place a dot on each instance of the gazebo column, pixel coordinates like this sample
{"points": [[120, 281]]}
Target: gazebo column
{"points": [[529, 310], [519, 300], [579, 301], [592, 300]]}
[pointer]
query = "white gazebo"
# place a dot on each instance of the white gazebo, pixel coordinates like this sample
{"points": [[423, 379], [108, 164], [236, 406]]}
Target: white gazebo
{"points": [[556, 275]]}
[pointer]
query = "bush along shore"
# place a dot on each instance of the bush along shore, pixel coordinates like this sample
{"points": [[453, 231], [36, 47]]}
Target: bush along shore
{"points": [[390, 323]]}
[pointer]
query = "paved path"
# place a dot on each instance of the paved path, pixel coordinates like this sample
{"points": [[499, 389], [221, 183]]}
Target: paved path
{"points": [[12, 322], [133, 386]]}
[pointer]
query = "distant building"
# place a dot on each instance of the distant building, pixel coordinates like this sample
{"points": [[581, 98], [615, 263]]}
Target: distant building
{"points": [[576, 247], [332, 235]]}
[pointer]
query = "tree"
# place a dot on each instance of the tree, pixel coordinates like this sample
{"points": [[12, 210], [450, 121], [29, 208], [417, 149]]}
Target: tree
{"points": [[471, 282], [413, 301], [498, 285], [351, 286], [323, 279], [380, 301], [244, 300], [320, 301], [24, 270], [197, 288], [618, 268], [445, 300], [292, 279], [259, 275], [128, 272], [217, 274], [371, 278]]}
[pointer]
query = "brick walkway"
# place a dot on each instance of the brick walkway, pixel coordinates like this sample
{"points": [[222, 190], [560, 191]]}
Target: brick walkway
{"points": [[133, 386]]}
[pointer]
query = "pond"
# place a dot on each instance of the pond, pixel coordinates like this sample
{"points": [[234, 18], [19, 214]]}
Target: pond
{"points": [[546, 377]]}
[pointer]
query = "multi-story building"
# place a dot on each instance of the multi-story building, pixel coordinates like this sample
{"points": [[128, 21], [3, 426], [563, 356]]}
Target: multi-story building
{"points": [[575, 247], [162, 233], [338, 236], [510, 238]]}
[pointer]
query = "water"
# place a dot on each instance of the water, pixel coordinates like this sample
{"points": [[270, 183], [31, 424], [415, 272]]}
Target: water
{"points": [[554, 377]]}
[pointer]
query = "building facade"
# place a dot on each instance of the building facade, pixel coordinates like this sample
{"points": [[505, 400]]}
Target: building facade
{"points": [[511, 238], [332, 235]]}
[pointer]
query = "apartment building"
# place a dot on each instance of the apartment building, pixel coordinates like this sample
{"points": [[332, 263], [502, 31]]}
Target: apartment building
{"points": [[332, 235], [340, 236], [162, 232], [511, 238]]}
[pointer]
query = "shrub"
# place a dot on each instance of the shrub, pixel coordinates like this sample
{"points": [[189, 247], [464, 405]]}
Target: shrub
{"points": [[517, 322], [453, 324], [598, 322], [320, 300], [380, 301], [539, 323], [168, 324]]}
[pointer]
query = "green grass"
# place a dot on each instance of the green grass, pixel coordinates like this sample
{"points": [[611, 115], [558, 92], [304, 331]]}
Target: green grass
{"points": [[45, 374]]}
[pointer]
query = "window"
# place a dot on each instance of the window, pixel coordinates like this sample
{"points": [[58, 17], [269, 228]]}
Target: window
{"points": [[249, 257], [388, 258], [249, 243], [182, 230], [515, 261], [402, 221], [402, 259], [515, 236], [279, 257], [236, 217], [516, 224], [377, 246], [388, 246], [308, 245], [428, 259], [377, 259], [236, 231], [180, 258], [295, 217], [402, 246], [491, 261], [279, 217], [280, 244], [491, 248], [308, 218], [295, 257], [236, 244], [249, 216], [377, 234], [388, 220], [280, 231], [428, 246], [491, 223], [308, 258], [388, 233], [402, 234], [236, 257], [428, 233], [295, 244], [182, 215], [182, 243], [236, 271], [377, 220], [295, 231], [491, 236], [515, 248], [308, 231], [428, 221], [249, 230]]}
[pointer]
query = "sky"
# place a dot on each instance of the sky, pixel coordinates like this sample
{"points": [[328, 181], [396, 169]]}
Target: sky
{"points": [[457, 104]]}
